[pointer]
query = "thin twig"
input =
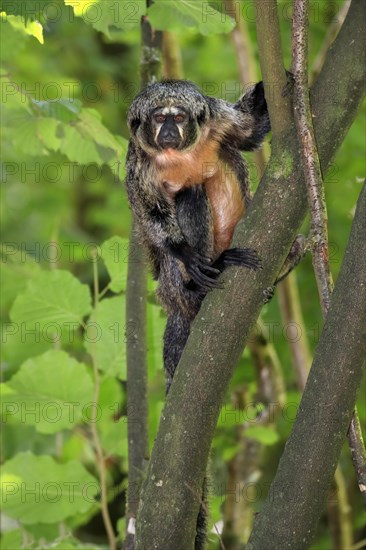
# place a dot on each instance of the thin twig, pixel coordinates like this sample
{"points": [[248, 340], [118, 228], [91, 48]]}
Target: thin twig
{"points": [[309, 153], [358, 452], [136, 346], [93, 424], [292, 317]]}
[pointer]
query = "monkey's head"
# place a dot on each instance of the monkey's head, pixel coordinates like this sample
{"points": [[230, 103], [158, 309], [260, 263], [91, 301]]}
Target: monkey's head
{"points": [[168, 115]]}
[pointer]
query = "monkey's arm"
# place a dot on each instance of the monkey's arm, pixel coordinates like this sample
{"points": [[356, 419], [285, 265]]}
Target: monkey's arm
{"points": [[245, 123], [253, 106], [156, 218]]}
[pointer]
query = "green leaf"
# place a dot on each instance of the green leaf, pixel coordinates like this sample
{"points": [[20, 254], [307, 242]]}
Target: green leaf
{"points": [[16, 268], [24, 136], [105, 336], [114, 437], [47, 133], [88, 140], [12, 41], [33, 28], [13, 102], [104, 15], [40, 393], [76, 147], [36, 489], [64, 110], [48, 532], [263, 434], [115, 256], [197, 15], [12, 540], [230, 451], [29, 9], [54, 301]]}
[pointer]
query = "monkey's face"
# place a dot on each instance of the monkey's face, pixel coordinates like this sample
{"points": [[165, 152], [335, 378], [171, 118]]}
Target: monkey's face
{"points": [[170, 127], [168, 115]]}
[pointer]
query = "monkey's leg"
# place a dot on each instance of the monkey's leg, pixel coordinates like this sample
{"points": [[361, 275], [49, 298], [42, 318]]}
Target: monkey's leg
{"points": [[194, 219], [175, 338]]}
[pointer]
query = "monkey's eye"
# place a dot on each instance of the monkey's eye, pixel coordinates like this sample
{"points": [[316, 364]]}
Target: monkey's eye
{"points": [[160, 118], [179, 118]]}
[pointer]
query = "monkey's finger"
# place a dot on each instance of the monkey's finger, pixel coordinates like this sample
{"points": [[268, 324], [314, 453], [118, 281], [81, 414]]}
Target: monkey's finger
{"points": [[204, 281], [208, 268], [204, 259]]}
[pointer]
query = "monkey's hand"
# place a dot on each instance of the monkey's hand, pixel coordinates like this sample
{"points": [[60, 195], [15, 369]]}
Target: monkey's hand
{"points": [[200, 268]]}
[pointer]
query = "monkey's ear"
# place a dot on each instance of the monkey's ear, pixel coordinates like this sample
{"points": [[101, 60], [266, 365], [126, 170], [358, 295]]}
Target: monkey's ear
{"points": [[258, 100], [201, 118], [134, 124]]}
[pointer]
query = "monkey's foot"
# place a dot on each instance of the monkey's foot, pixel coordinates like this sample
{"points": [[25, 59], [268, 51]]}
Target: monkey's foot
{"points": [[244, 257], [268, 294]]}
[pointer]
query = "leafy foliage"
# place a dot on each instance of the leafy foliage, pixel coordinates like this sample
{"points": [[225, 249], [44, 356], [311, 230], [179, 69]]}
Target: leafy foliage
{"points": [[196, 15], [53, 298], [69, 485], [41, 385], [68, 73]]}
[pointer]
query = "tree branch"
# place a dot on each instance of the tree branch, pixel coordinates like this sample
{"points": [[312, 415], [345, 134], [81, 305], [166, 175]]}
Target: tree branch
{"points": [[309, 153], [332, 32], [315, 190], [308, 463], [137, 403], [177, 467], [271, 60]]}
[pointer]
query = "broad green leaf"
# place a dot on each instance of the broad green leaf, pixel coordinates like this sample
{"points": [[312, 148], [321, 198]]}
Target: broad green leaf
{"points": [[230, 451], [104, 15], [12, 41], [37, 489], [263, 434], [47, 133], [197, 15], [29, 9], [13, 102], [19, 343], [105, 337], [16, 268], [114, 437], [40, 393], [62, 110], [32, 28], [24, 136], [90, 126], [115, 256], [111, 398], [88, 140], [76, 147], [12, 540], [55, 302], [48, 532]]}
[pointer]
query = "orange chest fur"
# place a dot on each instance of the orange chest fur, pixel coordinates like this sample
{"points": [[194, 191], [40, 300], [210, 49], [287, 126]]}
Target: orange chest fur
{"points": [[176, 171]]}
